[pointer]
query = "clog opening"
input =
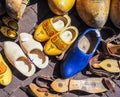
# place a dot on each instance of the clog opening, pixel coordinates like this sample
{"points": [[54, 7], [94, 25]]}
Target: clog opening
{"points": [[59, 22], [3, 68], [11, 33], [23, 64], [13, 25], [88, 42], [68, 35], [38, 55]]}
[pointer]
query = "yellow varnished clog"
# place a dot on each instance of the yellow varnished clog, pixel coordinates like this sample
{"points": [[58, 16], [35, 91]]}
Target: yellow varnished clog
{"points": [[51, 26], [60, 7], [5, 73], [61, 41]]}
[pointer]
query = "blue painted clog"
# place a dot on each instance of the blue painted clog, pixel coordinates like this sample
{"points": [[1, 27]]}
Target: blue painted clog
{"points": [[83, 50]]}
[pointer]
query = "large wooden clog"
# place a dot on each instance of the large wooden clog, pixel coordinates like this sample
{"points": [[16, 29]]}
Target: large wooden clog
{"points": [[115, 12], [60, 7], [93, 12]]}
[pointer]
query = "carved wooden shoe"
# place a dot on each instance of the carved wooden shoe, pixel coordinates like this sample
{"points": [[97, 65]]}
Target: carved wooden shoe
{"points": [[36, 91], [90, 85], [8, 32], [5, 73], [61, 41], [83, 50], [104, 65]]}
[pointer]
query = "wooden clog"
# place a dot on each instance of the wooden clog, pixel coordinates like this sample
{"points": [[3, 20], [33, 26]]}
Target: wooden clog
{"points": [[18, 59], [10, 22], [60, 7], [93, 12], [5, 73], [90, 85], [61, 41], [34, 50], [35, 91], [103, 65], [8, 32]]}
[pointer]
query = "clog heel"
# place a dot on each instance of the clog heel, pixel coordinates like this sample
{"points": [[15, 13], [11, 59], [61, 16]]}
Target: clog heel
{"points": [[61, 41], [82, 52], [51, 26], [89, 85], [5, 73]]}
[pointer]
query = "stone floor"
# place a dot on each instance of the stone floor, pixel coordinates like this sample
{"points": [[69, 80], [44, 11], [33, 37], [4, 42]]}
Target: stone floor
{"points": [[35, 13]]}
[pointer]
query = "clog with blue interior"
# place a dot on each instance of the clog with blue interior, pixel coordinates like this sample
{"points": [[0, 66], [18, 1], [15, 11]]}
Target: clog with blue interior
{"points": [[82, 52]]}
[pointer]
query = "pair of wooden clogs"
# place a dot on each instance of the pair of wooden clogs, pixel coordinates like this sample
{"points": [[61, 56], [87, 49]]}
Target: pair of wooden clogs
{"points": [[26, 57], [58, 33], [9, 28]]}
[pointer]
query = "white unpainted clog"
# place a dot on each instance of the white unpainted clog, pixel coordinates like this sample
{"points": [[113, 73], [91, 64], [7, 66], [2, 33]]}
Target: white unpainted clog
{"points": [[34, 50], [18, 59]]}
